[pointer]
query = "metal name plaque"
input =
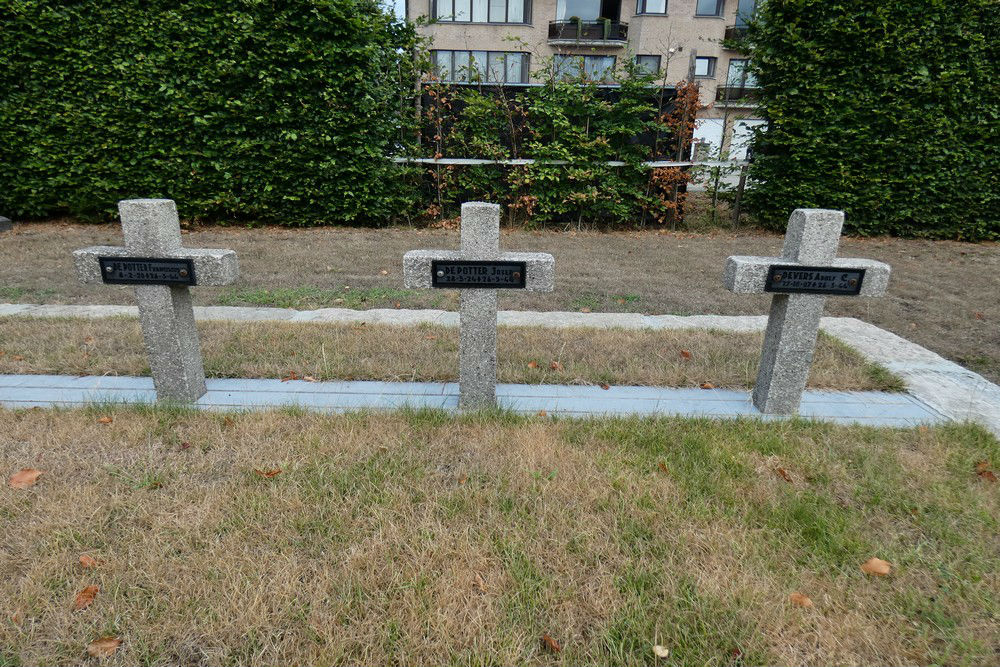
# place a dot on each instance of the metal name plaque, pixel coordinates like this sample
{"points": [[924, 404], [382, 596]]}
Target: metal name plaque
{"points": [[146, 271], [814, 280], [472, 274]]}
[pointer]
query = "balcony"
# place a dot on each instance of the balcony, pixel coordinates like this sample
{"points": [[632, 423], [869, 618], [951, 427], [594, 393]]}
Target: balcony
{"points": [[735, 37], [735, 32], [588, 33], [737, 96]]}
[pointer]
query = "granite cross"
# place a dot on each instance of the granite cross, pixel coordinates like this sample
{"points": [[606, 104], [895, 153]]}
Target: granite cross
{"points": [[479, 269], [806, 273], [161, 270]]}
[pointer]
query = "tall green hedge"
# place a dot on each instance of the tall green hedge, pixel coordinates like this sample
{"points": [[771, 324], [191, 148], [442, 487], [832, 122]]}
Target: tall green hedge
{"points": [[888, 110], [237, 109]]}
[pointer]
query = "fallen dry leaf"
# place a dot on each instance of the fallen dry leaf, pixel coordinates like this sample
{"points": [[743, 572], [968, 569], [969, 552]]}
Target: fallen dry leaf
{"points": [[532, 364], [784, 474], [550, 643], [398, 305], [661, 651], [85, 597], [979, 315], [543, 413], [800, 600], [89, 561], [268, 473], [430, 337], [17, 357], [309, 378], [185, 445], [383, 272], [685, 354], [479, 584], [583, 310], [982, 466], [707, 385], [988, 475], [89, 340], [463, 479], [662, 466], [876, 566], [105, 420], [24, 478], [556, 366], [605, 386], [103, 647], [292, 375]]}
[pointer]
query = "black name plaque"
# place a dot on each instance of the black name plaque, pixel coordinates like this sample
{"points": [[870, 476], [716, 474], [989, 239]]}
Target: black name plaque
{"points": [[146, 271], [814, 280], [452, 273]]}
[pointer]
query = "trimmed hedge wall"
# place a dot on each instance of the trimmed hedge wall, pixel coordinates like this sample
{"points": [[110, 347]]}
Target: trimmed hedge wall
{"points": [[265, 111], [888, 110]]}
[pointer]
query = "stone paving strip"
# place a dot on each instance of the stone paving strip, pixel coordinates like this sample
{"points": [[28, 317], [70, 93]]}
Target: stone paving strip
{"points": [[869, 408], [949, 389]]}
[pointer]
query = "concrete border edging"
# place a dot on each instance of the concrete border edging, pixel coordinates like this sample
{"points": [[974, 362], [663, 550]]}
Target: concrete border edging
{"points": [[954, 391]]}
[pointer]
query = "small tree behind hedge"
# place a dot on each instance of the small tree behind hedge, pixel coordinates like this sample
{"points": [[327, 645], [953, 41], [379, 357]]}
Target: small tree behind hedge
{"points": [[274, 112], [890, 111]]}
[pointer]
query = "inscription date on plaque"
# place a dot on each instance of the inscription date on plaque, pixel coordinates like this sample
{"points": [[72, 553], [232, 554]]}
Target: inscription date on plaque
{"points": [[146, 271], [814, 280], [482, 274]]}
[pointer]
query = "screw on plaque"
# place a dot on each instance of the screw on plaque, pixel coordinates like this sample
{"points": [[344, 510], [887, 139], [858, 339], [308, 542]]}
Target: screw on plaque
{"points": [[183, 273], [440, 273], [777, 277], [109, 269], [852, 282], [517, 275]]}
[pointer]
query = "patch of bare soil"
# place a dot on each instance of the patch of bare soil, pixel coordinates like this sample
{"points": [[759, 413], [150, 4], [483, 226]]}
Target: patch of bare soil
{"points": [[943, 295]]}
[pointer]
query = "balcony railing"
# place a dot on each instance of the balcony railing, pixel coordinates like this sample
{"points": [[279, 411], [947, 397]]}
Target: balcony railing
{"points": [[737, 95], [606, 32], [735, 33]]}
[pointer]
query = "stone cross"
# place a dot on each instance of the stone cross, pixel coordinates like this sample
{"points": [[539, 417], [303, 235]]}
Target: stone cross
{"points": [[478, 270], [806, 273], [161, 269]]}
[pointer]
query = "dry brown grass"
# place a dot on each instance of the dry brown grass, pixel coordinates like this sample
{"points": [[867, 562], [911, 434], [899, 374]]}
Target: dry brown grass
{"points": [[421, 539], [355, 352]]}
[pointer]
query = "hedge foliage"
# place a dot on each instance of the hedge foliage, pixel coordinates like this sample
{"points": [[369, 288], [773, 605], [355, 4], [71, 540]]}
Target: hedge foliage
{"points": [[572, 121], [237, 109], [887, 110]]}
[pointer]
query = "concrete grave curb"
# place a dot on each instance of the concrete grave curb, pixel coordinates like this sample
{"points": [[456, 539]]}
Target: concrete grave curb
{"points": [[952, 390]]}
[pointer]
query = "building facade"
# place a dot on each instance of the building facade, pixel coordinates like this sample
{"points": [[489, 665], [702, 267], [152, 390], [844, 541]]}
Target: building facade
{"points": [[509, 41]]}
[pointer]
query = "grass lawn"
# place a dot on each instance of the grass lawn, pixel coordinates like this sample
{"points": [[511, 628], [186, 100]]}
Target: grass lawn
{"points": [[418, 538], [379, 352]]}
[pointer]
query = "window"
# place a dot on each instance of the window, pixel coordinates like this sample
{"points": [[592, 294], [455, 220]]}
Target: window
{"points": [[648, 64], [704, 67], [739, 75], [486, 66], [744, 12], [597, 68], [651, 7], [707, 8], [481, 11], [588, 10]]}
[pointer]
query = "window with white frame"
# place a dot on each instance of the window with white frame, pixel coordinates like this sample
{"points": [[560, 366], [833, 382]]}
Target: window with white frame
{"points": [[596, 68], [651, 7], [709, 7], [704, 67], [648, 64], [481, 66], [482, 11]]}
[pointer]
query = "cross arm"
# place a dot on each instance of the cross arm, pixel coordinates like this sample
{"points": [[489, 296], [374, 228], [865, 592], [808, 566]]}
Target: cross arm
{"points": [[539, 267], [211, 266], [746, 275]]}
